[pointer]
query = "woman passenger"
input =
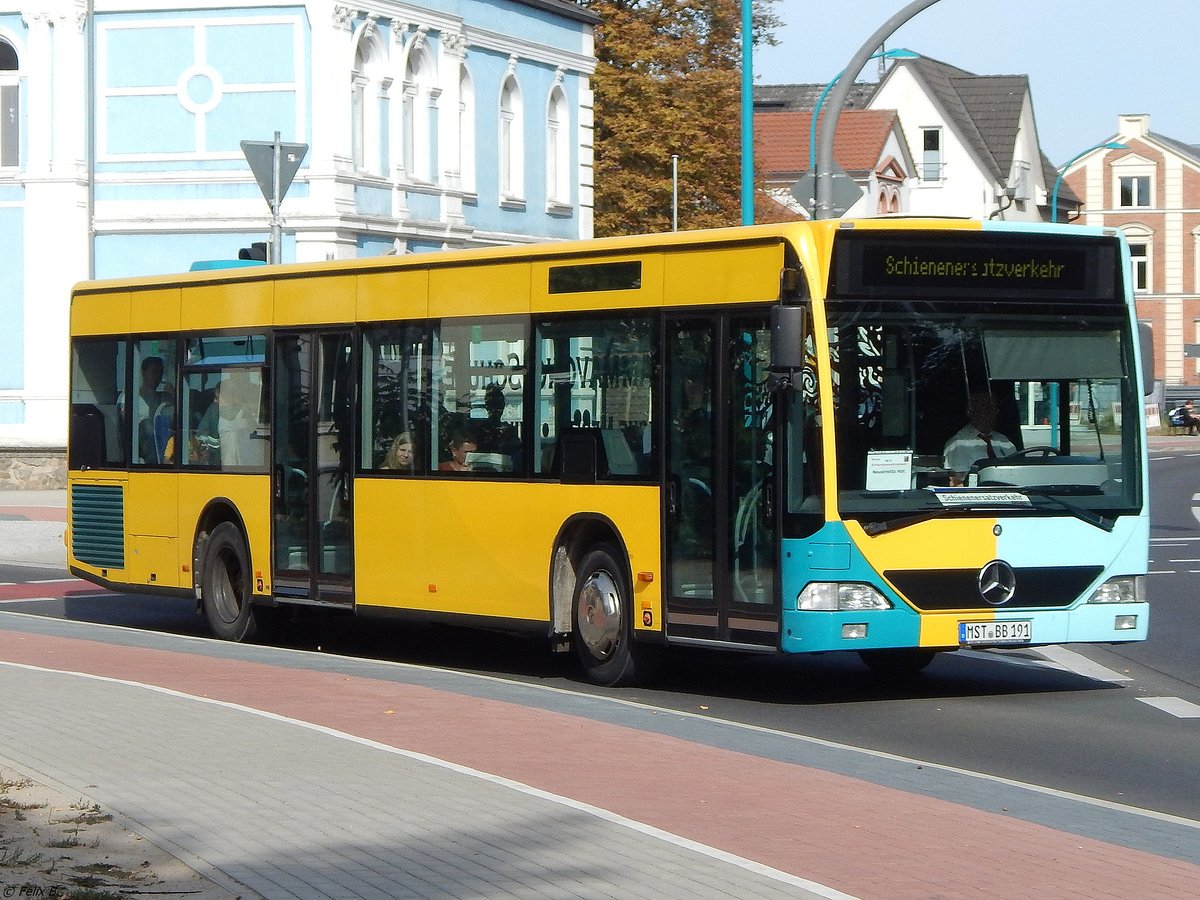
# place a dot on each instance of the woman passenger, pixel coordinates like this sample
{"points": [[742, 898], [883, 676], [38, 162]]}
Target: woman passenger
{"points": [[400, 454]]}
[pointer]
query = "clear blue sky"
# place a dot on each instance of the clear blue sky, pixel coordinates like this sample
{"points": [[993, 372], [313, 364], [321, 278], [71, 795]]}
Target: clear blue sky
{"points": [[1088, 61]]}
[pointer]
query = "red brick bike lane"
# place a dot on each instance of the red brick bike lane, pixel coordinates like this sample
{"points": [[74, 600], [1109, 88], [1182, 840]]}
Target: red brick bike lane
{"points": [[856, 836]]}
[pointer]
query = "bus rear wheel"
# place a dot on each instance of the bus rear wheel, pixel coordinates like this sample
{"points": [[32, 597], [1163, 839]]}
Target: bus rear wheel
{"points": [[601, 618], [225, 591]]}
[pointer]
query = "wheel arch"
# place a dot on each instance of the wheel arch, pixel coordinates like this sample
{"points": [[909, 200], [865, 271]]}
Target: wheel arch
{"points": [[576, 536], [216, 511]]}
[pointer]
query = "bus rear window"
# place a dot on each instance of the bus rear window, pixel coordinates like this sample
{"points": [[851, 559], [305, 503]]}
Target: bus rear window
{"points": [[97, 384]]}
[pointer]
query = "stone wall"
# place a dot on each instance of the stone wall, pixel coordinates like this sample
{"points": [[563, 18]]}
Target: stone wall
{"points": [[40, 469]]}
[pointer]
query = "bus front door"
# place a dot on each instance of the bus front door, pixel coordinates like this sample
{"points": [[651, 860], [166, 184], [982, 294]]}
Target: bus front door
{"points": [[312, 469], [721, 545]]}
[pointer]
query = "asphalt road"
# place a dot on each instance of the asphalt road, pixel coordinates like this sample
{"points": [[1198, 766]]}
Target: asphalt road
{"points": [[1174, 589], [1119, 724]]}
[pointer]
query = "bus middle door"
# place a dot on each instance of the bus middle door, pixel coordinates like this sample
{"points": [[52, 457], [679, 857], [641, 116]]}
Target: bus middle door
{"points": [[313, 466]]}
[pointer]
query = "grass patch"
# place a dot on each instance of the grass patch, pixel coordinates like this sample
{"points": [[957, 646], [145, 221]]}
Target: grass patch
{"points": [[91, 893], [68, 840], [85, 818], [20, 784], [9, 803], [14, 857]]}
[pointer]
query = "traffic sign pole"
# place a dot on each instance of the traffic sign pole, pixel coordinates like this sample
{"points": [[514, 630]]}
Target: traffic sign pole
{"points": [[274, 164], [276, 219]]}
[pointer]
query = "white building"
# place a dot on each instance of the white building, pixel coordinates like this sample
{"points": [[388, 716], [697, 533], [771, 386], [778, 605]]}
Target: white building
{"points": [[973, 139]]}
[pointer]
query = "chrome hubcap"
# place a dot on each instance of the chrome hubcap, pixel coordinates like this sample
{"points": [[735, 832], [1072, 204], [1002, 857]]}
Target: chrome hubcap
{"points": [[599, 615]]}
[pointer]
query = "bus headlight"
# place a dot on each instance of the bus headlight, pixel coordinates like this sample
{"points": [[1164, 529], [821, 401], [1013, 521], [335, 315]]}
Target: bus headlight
{"points": [[836, 595], [1122, 589]]}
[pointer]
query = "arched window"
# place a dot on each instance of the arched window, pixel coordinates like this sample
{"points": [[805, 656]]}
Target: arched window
{"points": [[512, 147], [466, 129], [558, 148], [416, 119], [10, 106], [369, 107]]}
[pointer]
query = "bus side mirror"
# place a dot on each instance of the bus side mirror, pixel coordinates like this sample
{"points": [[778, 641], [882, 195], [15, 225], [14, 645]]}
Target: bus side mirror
{"points": [[1146, 338], [787, 338]]}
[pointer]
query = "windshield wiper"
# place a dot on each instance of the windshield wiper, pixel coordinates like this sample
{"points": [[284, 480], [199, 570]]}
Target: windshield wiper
{"points": [[1049, 492], [1084, 515], [874, 528]]}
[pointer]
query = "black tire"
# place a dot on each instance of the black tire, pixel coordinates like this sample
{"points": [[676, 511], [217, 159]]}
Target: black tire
{"points": [[225, 586], [901, 663], [602, 618]]}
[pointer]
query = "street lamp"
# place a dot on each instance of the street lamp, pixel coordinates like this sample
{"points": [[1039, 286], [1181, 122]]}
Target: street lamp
{"points": [[824, 180], [1104, 145], [898, 53], [747, 112]]}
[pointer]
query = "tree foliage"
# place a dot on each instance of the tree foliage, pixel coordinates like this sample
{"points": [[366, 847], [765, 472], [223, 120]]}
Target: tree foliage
{"points": [[668, 81]]}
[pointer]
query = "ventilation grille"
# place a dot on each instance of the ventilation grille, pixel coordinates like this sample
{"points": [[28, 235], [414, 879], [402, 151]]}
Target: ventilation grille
{"points": [[98, 525]]}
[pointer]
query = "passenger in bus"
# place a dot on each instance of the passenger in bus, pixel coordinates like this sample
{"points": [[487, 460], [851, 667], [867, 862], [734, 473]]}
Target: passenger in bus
{"points": [[154, 398], [399, 457], [976, 440], [228, 429], [496, 435], [461, 444]]}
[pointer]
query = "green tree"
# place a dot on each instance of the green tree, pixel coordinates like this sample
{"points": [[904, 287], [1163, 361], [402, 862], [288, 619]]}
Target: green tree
{"points": [[668, 81]]}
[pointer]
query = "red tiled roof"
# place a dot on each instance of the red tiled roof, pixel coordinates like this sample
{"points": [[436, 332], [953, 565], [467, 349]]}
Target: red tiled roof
{"points": [[781, 139]]}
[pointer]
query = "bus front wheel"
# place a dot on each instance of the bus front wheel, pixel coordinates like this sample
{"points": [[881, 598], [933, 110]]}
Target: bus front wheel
{"points": [[600, 618], [225, 584], [900, 663]]}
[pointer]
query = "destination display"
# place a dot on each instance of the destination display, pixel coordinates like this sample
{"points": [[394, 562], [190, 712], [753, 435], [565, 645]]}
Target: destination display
{"points": [[978, 265]]}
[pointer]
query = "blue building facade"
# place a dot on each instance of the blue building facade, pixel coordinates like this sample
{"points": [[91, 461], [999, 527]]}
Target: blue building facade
{"points": [[453, 124]]}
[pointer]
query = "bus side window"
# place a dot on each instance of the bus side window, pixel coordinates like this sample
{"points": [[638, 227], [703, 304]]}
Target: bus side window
{"points": [[224, 403], [97, 382], [479, 378], [395, 398], [149, 409], [596, 374]]}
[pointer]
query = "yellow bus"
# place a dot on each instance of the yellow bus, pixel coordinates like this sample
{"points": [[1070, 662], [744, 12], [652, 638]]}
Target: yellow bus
{"points": [[734, 439]]}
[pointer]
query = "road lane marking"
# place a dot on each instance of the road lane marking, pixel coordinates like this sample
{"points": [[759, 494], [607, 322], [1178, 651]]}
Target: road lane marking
{"points": [[1176, 706], [1081, 665], [11, 601]]}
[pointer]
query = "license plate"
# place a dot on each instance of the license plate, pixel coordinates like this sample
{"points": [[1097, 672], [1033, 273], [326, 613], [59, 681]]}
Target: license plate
{"points": [[1018, 632]]}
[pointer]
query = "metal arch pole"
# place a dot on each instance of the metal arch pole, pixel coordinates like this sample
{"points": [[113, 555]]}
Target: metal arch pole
{"points": [[837, 99]]}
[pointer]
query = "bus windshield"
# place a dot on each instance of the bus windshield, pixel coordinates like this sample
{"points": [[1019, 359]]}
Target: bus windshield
{"points": [[940, 409]]}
